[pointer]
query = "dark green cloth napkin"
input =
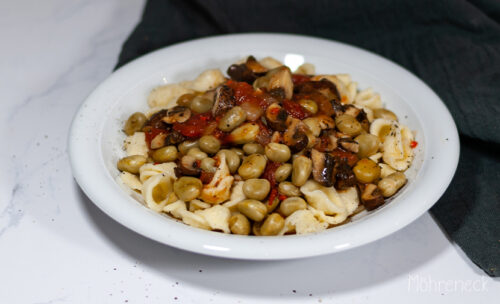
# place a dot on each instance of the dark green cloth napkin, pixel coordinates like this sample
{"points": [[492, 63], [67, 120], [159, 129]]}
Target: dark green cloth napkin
{"points": [[453, 45]]}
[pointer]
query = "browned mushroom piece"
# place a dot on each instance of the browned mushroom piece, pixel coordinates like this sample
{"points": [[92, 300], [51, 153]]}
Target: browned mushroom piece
{"points": [[371, 196], [255, 66], [344, 176], [324, 86], [327, 141], [223, 100], [241, 72], [276, 117], [295, 136], [281, 77], [348, 144], [177, 114], [187, 165], [338, 107], [174, 138], [278, 82], [322, 168], [156, 120], [363, 119]]}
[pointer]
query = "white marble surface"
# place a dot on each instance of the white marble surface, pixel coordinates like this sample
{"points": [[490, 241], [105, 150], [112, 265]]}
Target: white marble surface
{"points": [[57, 247]]}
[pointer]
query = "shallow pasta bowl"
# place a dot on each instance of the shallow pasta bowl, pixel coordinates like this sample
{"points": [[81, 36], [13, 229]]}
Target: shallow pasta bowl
{"points": [[95, 142]]}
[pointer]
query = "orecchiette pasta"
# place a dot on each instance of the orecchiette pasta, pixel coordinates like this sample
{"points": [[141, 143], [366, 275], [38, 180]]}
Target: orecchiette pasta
{"points": [[131, 181], [337, 204], [265, 151], [157, 191], [302, 222], [217, 217], [218, 190], [148, 170], [237, 196], [136, 144], [368, 98]]}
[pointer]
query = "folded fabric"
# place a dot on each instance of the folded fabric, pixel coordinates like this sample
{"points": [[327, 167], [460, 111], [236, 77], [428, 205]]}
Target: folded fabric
{"points": [[454, 46]]}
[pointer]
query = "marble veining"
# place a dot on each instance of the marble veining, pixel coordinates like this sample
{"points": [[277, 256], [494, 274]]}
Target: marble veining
{"points": [[57, 247]]}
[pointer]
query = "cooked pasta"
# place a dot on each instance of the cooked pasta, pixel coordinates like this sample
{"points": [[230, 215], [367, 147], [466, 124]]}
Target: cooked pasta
{"points": [[265, 151]]}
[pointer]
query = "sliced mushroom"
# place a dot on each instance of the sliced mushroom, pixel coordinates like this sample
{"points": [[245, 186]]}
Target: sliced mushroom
{"points": [[371, 196], [348, 144], [241, 72], [255, 66], [281, 78], [278, 82], [344, 175], [295, 136], [174, 138], [324, 86], [322, 168], [156, 120], [363, 119], [276, 117], [177, 114], [338, 107], [223, 100], [187, 166], [327, 141]]}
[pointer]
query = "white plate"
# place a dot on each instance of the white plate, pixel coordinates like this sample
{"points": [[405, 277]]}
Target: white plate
{"points": [[95, 142]]}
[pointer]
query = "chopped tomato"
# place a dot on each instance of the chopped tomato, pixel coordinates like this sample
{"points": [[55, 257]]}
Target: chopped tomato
{"points": [[244, 92], [194, 126], [151, 133], [294, 109], [413, 144], [223, 137]]}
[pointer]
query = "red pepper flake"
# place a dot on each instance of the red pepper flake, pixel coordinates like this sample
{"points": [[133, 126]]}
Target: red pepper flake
{"points": [[269, 174], [194, 126], [413, 144], [294, 109], [300, 78], [272, 196], [282, 197]]}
